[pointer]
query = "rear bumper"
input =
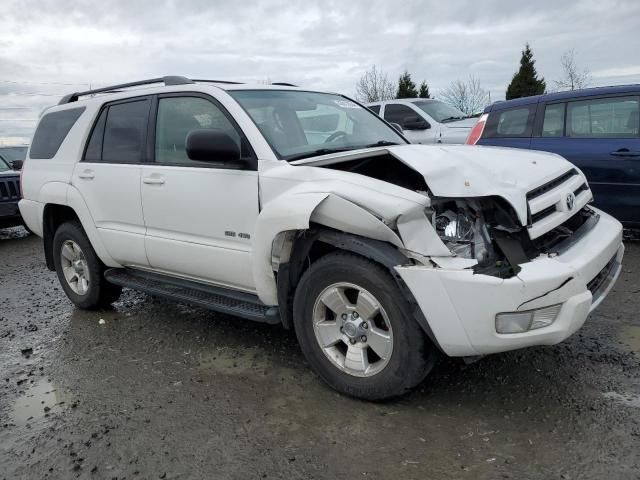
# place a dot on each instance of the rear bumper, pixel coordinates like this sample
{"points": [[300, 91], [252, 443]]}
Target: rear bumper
{"points": [[461, 306]]}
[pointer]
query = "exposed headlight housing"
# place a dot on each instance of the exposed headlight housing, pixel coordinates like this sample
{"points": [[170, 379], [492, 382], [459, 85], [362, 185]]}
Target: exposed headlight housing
{"points": [[463, 232], [520, 322]]}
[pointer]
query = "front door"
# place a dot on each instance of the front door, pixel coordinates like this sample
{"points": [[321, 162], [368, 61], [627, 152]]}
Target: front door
{"points": [[199, 215]]}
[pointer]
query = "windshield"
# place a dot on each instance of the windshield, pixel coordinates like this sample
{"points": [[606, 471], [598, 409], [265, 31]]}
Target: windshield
{"points": [[11, 154], [440, 111], [3, 165], [304, 124]]}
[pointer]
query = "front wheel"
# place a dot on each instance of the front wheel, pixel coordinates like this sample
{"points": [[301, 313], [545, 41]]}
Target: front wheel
{"points": [[356, 329], [79, 269]]}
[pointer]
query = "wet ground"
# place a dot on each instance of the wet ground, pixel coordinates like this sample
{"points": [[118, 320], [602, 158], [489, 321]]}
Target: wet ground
{"points": [[152, 389]]}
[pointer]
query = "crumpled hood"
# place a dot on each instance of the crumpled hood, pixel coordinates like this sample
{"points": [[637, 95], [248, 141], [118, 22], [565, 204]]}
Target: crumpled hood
{"points": [[475, 171]]}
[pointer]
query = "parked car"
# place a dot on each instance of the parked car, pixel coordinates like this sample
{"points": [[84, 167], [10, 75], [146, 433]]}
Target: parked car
{"points": [[596, 129], [378, 253], [425, 120], [9, 195], [14, 155]]}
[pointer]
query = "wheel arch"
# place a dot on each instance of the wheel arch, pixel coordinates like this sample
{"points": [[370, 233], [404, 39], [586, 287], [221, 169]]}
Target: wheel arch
{"points": [[295, 212], [309, 245], [75, 209]]}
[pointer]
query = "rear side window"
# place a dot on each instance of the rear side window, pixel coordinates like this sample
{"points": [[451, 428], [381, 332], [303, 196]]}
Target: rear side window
{"points": [[375, 109], [120, 133], [603, 118], [51, 132], [515, 122], [553, 124]]}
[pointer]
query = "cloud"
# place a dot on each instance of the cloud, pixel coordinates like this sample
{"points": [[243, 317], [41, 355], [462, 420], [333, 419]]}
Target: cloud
{"points": [[61, 46]]}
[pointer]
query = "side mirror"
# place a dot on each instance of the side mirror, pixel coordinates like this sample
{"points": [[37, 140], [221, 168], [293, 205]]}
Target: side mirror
{"points": [[416, 123], [16, 164], [396, 126], [212, 145]]}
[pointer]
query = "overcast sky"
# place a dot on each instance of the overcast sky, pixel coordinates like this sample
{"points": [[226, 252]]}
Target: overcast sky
{"points": [[49, 48]]}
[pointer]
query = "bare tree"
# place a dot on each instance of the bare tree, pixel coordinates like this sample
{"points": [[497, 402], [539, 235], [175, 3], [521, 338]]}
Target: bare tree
{"points": [[468, 97], [374, 85], [573, 78]]}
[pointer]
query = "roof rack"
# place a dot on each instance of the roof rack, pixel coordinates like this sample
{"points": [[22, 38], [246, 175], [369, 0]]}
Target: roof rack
{"points": [[216, 81], [168, 80]]}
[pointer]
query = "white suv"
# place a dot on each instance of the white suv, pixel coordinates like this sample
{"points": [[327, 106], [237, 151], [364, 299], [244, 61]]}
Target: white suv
{"points": [[303, 208]]}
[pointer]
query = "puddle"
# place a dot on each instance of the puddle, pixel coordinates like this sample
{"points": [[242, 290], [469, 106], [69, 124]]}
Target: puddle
{"points": [[40, 399], [628, 399], [630, 336]]}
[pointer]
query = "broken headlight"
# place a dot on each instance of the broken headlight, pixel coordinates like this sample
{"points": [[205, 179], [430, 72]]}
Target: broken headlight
{"points": [[463, 230]]}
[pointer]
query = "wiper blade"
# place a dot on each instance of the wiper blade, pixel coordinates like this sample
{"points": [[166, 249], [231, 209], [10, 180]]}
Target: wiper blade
{"points": [[320, 151], [381, 143], [450, 119]]}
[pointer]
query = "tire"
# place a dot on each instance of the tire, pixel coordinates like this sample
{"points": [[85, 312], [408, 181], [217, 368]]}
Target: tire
{"points": [[96, 292], [384, 358]]}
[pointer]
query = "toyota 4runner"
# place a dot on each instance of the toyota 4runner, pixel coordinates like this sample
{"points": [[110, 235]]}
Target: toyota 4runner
{"points": [[303, 208]]}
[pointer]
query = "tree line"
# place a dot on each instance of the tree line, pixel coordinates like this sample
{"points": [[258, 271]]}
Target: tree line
{"points": [[468, 95]]}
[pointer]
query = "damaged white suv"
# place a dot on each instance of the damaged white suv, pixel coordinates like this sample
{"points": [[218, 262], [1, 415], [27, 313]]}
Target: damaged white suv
{"points": [[303, 208]]}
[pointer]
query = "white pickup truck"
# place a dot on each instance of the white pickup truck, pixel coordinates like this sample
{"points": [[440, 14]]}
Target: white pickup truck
{"points": [[425, 120], [303, 208]]}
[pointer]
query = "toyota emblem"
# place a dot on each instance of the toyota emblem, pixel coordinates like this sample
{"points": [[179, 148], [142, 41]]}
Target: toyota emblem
{"points": [[570, 201]]}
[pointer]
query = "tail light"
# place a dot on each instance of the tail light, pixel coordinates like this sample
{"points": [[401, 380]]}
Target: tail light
{"points": [[476, 131]]}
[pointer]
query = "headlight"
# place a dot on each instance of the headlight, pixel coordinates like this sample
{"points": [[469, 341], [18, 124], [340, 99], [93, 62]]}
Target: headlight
{"points": [[457, 231], [463, 232]]}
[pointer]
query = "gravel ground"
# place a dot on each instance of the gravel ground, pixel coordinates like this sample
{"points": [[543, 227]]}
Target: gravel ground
{"points": [[152, 389]]}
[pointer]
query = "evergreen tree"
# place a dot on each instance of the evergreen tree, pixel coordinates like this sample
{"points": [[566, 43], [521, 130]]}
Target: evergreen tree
{"points": [[525, 82], [406, 87], [424, 90]]}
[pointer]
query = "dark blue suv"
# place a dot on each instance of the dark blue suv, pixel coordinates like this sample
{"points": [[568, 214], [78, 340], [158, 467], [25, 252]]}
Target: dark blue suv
{"points": [[597, 129]]}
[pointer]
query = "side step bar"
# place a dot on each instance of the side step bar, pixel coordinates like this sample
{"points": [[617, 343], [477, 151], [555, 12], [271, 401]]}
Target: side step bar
{"points": [[219, 299]]}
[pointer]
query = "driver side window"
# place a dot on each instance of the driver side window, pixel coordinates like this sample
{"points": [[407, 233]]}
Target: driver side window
{"points": [[400, 114], [177, 116]]}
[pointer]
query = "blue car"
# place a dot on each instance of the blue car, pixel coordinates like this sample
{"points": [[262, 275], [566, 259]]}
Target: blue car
{"points": [[597, 129]]}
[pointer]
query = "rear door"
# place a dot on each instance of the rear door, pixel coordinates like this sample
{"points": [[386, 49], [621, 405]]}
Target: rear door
{"points": [[108, 178], [601, 137]]}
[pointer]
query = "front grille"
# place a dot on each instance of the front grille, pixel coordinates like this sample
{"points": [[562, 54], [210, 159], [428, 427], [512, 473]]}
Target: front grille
{"points": [[557, 239], [9, 189], [536, 192], [543, 213], [553, 203], [599, 283]]}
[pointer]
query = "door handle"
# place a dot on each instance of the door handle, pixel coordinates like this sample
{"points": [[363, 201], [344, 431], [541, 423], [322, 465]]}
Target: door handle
{"points": [[625, 152], [86, 175], [153, 180]]}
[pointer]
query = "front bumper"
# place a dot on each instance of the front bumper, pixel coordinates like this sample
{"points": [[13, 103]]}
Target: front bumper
{"points": [[9, 214], [461, 306]]}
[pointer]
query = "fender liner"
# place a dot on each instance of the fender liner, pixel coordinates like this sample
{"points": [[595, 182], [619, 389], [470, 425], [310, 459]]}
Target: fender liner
{"points": [[387, 255]]}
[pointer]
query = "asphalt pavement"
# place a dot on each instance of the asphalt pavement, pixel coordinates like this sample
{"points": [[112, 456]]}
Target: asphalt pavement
{"points": [[153, 389]]}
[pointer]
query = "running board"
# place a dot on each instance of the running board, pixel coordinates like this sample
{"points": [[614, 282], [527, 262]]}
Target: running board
{"points": [[219, 299]]}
